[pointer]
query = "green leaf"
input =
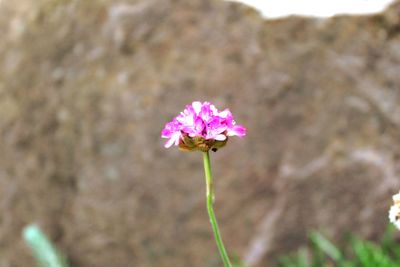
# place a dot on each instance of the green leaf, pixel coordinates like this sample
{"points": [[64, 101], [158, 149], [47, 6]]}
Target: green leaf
{"points": [[42, 249], [355, 253], [326, 246]]}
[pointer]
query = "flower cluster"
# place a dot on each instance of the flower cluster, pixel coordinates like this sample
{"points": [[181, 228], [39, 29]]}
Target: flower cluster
{"points": [[201, 127], [394, 212]]}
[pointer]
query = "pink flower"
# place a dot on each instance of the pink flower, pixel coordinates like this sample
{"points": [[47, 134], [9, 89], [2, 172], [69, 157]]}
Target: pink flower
{"points": [[201, 126]]}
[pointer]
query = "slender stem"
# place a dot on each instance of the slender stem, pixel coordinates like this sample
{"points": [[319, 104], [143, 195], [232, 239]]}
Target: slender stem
{"points": [[210, 209]]}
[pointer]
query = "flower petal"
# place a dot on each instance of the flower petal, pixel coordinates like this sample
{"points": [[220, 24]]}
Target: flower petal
{"points": [[237, 130], [225, 114], [165, 133], [169, 143], [174, 140], [197, 107]]}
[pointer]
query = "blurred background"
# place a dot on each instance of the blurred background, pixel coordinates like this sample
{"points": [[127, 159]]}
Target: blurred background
{"points": [[87, 86]]}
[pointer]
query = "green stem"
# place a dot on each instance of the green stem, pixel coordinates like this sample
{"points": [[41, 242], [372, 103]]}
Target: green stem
{"points": [[210, 209]]}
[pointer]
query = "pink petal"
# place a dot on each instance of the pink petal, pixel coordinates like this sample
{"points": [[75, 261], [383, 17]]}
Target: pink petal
{"points": [[169, 143], [185, 119], [206, 114], [177, 138], [165, 133], [198, 125], [225, 114], [173, 140], [197, 107], [237, 130], [213, 109]]}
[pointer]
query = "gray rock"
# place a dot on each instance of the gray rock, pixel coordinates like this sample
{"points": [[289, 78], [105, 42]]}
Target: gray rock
{"points": [[87, 86]]}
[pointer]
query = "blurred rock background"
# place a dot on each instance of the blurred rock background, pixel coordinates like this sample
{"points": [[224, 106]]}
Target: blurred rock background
{"points": [[87, 86]]}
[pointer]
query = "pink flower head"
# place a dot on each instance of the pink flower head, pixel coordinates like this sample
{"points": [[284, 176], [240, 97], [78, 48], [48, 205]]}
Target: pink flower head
{"points": [[201, 127]]}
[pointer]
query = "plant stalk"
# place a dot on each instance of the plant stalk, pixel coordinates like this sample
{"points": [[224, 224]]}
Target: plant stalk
{"points": [[210, 209]]}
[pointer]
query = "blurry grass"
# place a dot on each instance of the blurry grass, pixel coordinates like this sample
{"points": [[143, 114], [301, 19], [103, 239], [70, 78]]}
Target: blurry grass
{"points": [[42, 249], [321, 252], [355, 253]]}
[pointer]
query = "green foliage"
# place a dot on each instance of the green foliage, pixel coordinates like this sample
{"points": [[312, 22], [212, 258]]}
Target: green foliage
{"points": [[43, 250], [355, 253]]}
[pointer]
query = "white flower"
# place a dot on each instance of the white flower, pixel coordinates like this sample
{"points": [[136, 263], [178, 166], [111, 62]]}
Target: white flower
{"points": [[396, 198], [394, 215], [394, 212]]}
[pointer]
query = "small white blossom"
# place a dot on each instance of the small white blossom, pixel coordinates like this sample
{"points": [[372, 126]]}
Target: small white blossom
{"points": [[394, 215], [394, 212], [396, 199]]}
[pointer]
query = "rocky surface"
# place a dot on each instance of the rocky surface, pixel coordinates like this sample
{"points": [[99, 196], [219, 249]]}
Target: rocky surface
{"points": [[86, 87]]}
